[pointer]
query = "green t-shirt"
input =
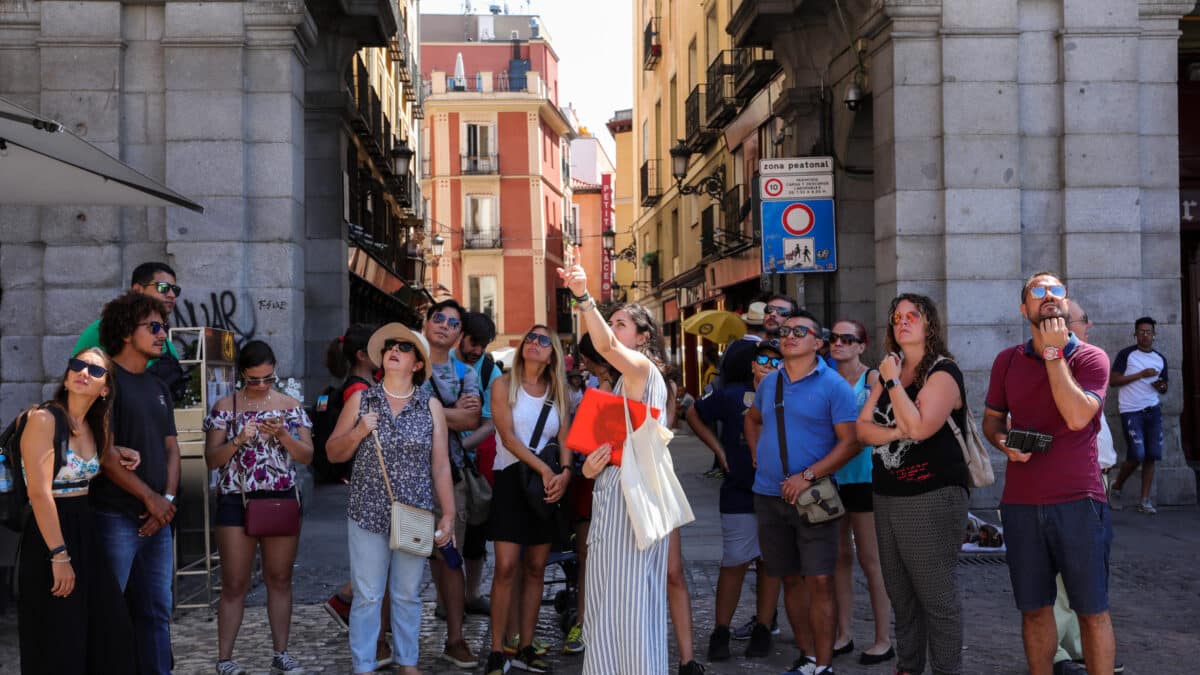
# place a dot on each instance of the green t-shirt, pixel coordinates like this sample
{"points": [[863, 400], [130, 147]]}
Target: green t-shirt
{"points": [[90, 337]]}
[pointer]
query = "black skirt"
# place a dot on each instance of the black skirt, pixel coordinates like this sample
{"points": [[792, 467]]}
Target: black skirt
{"points": [[512, 519], [89, 631]]}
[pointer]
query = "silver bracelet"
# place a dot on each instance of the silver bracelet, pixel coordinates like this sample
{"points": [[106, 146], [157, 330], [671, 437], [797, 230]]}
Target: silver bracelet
{"points": [[61, 560], [586, 306]]}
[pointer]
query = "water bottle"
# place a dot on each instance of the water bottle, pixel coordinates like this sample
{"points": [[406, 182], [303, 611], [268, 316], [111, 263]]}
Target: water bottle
{"points": [[449, 553], [5, 479]]}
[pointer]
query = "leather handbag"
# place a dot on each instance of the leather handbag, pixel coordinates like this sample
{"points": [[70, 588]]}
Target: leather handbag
{"points": [[268, 516], [975, 454], [411, 528], [535, 489], [479, 494], [820, 501]]}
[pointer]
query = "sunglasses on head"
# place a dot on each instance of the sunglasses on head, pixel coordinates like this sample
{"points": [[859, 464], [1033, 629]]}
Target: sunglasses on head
{"points": [[449, 321], [781, 311], [543, 340], [1039, 292], [164, 286], [764, 360], [798, 331], [79, 365], [404, 346], [911, 316], [258, 381], [848, 338], [156, 326]]}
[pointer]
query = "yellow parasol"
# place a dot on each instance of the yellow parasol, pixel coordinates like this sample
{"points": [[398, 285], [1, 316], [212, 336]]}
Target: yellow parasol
{"points": [[715, 325]]}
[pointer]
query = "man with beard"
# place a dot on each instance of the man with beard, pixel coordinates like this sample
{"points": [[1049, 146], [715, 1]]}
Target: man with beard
{"points": [[1056, 518]]}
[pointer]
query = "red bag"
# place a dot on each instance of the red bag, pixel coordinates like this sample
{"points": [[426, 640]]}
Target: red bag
{"points": [[600, 419], [272, 517]]}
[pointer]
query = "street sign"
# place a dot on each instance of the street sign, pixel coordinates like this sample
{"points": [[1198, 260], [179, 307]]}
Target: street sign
{"points": [[798, 236], [812, 186], [792, 166]]}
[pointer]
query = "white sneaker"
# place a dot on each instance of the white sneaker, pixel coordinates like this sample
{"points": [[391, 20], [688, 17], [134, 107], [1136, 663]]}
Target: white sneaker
{"points": [[1147, 507]]}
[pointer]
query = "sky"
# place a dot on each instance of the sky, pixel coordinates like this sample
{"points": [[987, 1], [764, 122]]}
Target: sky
{"points": [[594, 43]]}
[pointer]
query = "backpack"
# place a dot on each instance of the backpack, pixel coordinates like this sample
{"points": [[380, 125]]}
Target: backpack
{"points": [[324, 416], [14, 496]]}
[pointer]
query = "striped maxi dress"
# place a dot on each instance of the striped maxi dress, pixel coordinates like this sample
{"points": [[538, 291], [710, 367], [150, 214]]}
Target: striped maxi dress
{"points": [[625, 613]]}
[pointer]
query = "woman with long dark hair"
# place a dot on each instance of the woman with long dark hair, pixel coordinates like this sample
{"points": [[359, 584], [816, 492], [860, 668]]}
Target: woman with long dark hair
{"points": [[628, 587], [920, 484], [254, 439], [71, 613], [535, 389]]}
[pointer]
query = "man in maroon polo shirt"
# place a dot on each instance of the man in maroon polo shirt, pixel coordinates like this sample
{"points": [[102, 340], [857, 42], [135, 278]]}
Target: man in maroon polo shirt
{"points": [[1056, 517]]}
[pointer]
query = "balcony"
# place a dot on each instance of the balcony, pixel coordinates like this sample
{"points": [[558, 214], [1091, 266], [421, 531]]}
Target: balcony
{"points": [[651, 45], [755, 22], [754, 68], [735, 208], [698, 136], [722, 96], [482, 239], [651, 191], [708, 235], [479, 165]]}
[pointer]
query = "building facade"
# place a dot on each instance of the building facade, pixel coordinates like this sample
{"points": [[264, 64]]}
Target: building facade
{"points": [[592, 191], [495, 167], [624, 266]]}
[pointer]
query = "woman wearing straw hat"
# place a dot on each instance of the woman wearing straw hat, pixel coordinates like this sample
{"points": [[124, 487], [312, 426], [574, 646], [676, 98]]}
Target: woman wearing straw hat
{"points": [[411, 429]]}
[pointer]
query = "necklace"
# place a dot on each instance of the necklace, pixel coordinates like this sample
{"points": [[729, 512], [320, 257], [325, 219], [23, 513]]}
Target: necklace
{"points": [[257, 405], [411, 391]]}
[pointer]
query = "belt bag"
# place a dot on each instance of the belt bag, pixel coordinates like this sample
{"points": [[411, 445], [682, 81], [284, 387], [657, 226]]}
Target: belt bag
{"points": [[272, 516], [411, 528], [819, 502]]}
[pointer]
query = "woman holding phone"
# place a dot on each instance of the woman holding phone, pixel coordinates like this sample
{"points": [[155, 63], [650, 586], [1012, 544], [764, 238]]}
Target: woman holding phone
{"points": [[254, 439]]}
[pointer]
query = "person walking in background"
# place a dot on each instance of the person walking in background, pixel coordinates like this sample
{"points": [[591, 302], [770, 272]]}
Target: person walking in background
{"points": [[71, 617], [409, 426], [847, 342], [1140, 375], [134, 509], [1055, 515], [531, 408], [920, 484], [254, 439]]}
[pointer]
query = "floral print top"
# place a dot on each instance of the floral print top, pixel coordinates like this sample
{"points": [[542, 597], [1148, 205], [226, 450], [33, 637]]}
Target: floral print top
{"points": [[262, 463], [407, 440]]}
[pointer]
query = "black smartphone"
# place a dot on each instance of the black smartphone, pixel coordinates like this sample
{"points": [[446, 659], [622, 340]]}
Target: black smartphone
{"points": [[1028, 441]]}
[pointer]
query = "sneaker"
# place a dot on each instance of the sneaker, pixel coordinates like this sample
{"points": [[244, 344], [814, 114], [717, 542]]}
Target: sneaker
{"points": [[285, 664], [497, 664], [1147, 507], [540, 647], [718, 644], [230, 667], [1069, 668], [338, 610], [760, 642], [480, 605], [574, 642], [1118, 668], [743, 631], [383, 655], [460, 655], [805, 665], [528, 660], [691, 667], [1114, 497]]}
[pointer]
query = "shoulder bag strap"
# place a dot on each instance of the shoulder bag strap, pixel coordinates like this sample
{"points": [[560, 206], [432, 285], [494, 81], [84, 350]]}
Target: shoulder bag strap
{"points": [[437, 391], [382, 466], [485, 373], [541, 422], [779, 430]]}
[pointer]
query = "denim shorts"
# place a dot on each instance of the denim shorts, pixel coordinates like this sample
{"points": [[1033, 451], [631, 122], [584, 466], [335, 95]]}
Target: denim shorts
{"points": [[1072, 539], [1143, 434]]}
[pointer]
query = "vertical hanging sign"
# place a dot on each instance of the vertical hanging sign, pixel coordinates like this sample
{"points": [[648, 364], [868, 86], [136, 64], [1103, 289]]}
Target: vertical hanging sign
{"points": [[606, 224]]}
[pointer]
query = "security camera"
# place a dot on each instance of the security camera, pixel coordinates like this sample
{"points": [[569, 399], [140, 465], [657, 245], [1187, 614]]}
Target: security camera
{"points": [[854, 96]]}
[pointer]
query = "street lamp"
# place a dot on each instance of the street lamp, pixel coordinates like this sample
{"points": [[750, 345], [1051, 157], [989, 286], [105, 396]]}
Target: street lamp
{"points": [[439, 246], [402, 160], [608, 239], [712, 185]]}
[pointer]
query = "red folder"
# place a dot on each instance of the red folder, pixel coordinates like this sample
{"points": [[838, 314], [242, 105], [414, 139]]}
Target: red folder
{"points": [[600, 419]]}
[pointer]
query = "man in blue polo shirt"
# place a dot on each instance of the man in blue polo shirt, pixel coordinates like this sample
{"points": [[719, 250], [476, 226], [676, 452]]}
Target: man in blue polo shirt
{"points": [[818, 412]]}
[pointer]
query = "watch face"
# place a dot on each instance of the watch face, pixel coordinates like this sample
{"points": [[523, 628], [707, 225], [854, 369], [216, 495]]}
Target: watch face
{"points": [[1051, 353]]}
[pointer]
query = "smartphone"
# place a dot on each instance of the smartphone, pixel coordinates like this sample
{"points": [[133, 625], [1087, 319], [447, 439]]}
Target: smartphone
{"points": [[1028, 441]]}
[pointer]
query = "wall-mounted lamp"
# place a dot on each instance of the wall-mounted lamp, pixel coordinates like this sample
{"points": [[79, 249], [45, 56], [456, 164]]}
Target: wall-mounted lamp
{"points": [[608, 239], [402, 160], [712, 185], [438, 246]]}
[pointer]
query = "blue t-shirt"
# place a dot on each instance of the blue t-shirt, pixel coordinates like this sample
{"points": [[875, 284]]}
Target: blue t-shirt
{"points": [[486, 411], [728, 405], [858, 470], [811, 406]]}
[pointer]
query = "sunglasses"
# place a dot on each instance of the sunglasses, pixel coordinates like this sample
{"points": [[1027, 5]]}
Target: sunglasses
{"points": [[543, 340], [781, 311], [848, 338], [798, 331], [1082, 319], [163, 287], [910, 316], [441, 318], [79, 365], [404, 346], [1038, 292], [259, 381], [764, 360], [156, 327]]}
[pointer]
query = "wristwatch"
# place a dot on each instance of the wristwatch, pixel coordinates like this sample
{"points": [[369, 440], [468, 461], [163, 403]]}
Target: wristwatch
{"points": [[169, 498], [1051, 353], [888, 384], [808, 475]]}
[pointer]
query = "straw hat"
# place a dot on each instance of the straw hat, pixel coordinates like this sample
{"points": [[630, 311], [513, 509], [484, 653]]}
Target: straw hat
{"points": [[396, 331], [755, 313]]}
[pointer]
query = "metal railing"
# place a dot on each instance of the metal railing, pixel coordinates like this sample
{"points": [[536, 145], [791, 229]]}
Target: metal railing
{"points": [[753, 69], [651, 192], [721, 95], [651, 45], [476, 165], [482, 239]]}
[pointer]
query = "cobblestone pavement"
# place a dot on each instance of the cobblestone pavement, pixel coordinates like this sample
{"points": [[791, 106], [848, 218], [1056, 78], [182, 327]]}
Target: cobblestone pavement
{"points": [[1155, 589]]}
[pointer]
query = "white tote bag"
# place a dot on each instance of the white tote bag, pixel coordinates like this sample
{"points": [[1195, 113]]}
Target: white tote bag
{"points": [[653, 496]]}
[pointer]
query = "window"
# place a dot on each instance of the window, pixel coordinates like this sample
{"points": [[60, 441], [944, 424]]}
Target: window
{"points": [[645, 140], [710, 35], [480, 227], [691, 64], [482, 295], [673, 104], [479, 141], [676, 235]]}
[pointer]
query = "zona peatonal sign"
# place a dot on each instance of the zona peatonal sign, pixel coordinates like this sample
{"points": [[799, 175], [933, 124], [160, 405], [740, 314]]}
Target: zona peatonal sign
{"points": [[798, 232]]}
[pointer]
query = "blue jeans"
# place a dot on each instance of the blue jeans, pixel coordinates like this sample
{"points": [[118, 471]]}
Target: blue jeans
{"points": [[143, 567], [1072, 539], [1143, 434], [371, 562]]}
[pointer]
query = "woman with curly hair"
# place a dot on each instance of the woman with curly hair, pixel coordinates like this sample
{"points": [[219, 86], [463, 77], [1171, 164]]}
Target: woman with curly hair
{"points": [[920, 484]]}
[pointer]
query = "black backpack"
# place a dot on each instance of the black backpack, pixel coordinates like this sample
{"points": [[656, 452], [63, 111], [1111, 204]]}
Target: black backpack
{"points": [[14, 497], [324, 416]]}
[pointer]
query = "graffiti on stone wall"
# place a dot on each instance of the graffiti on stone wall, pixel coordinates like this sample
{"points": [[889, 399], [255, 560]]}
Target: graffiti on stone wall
{"points": [[220, 310]]}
